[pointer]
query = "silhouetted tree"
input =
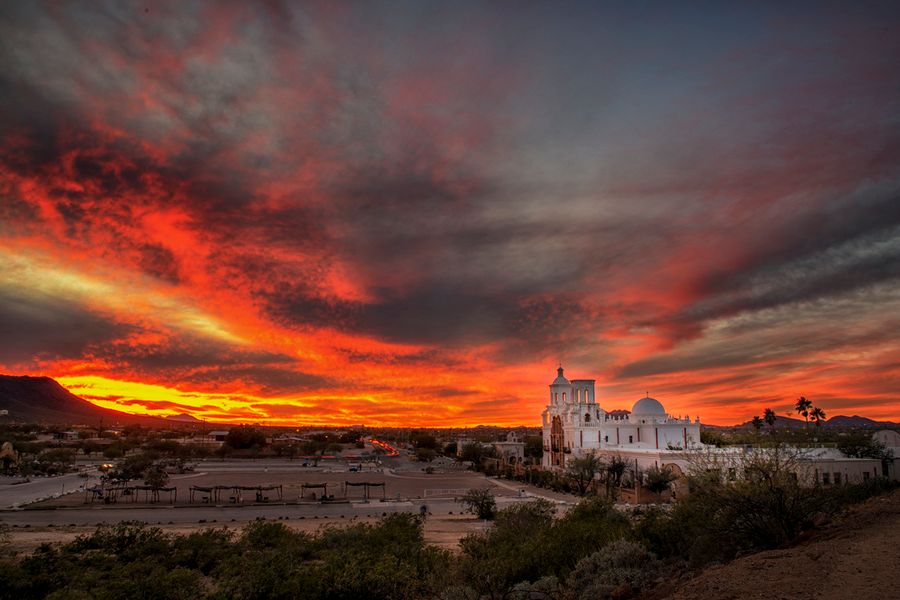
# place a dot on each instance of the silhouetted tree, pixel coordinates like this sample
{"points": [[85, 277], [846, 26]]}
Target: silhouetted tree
{"points": [[659, 479], [581, 472], [803, 407], [817, 415], [769, 417], [243, 437]]}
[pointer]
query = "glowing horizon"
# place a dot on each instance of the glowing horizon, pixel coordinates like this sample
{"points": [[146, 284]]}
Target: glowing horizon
{"points": [[409, 214]]}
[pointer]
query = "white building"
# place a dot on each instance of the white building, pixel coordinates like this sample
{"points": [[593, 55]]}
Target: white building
{"points": [[512, 450], [575, 425]]}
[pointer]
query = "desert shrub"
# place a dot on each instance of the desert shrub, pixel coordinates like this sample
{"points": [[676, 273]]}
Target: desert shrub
{"points": [[838, 497], [545, 588], [620, 569], [508, 553], [587, 527], [480, 502], [202, 550], [663, 535], [525, 544]]}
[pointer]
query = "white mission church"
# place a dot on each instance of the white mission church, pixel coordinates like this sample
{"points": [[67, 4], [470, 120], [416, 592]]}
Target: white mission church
{"points": [[575, 425]]}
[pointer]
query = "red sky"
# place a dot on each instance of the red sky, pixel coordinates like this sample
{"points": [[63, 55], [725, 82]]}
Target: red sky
{"points": [[408, 214]]}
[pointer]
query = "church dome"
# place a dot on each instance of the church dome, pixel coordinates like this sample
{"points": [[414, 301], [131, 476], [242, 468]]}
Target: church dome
{"points": [[560, 379], [648, 406]]}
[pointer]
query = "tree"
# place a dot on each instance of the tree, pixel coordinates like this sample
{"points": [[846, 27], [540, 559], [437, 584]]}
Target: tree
{"points": [[817, 415], [770, 418], [748, 501], [156, 476], [613, 470], [757, 423], [133, 467], [863, 445], [582, 471], [659, 479], [315, 449], [113, 451], [534, 447], [425, 454], [423, 440], [88, 447], [803, 407], [711, 437], [244, 437], [480, 502], [475, 453]]}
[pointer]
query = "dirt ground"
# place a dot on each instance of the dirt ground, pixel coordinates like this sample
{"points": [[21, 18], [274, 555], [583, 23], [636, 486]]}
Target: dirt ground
{"points": [[857, 557], [405, 485]]}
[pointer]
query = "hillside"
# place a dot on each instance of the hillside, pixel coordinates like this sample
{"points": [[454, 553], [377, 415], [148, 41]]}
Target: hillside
{"points": [[43, 400], [855, 557]]}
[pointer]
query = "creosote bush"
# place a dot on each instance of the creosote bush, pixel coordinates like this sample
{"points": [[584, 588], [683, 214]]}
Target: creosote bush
{"points": [[620, 569]]}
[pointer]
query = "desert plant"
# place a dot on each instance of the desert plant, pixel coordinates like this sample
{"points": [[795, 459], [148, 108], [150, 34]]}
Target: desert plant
{"points": [[480, 502], [618, 570]]}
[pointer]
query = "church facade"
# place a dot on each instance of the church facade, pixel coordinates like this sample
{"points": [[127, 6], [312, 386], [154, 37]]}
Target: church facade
{"points": [[575, 425]]}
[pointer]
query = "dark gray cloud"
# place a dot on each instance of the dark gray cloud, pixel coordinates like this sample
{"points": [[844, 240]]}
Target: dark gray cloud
{"points": [[44, 327]]}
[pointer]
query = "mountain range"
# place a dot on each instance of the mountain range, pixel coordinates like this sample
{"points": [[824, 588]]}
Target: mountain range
{"points": [[836, 421]]}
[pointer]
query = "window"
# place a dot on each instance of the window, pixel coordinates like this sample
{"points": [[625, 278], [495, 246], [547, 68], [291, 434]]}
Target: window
{"points": [[556, 399], [630, 439], [826, 478], [587, 417], [564, 396], [606, 439], [837, 478]]}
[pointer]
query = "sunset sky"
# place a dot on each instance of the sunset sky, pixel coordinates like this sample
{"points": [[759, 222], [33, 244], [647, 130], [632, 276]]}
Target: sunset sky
{"points": [[409, 213]]}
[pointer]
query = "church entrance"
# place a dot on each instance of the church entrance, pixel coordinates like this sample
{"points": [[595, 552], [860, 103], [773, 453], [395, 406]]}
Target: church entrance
{"points": [[557, 442]]}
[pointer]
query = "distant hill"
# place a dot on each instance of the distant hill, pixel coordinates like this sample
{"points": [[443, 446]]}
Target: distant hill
{"points": [[43, 400], [837, 421], [184, 418], [857, 421]]}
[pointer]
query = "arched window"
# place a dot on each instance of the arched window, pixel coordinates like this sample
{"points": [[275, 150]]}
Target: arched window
{"points": [[587, 417], [587, 396], [556, 399], [564, 396]]}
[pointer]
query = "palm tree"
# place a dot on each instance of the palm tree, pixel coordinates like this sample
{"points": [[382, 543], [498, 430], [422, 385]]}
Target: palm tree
{"points": [[817, 415], [803, 407], [757, 423], [770, 418]]}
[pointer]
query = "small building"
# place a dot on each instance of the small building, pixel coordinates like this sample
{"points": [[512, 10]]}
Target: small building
{"points": [[217, 436], [511, 451]]}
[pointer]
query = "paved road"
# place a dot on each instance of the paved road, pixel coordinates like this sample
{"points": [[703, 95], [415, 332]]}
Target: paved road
{"points": [[37, 489]]}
